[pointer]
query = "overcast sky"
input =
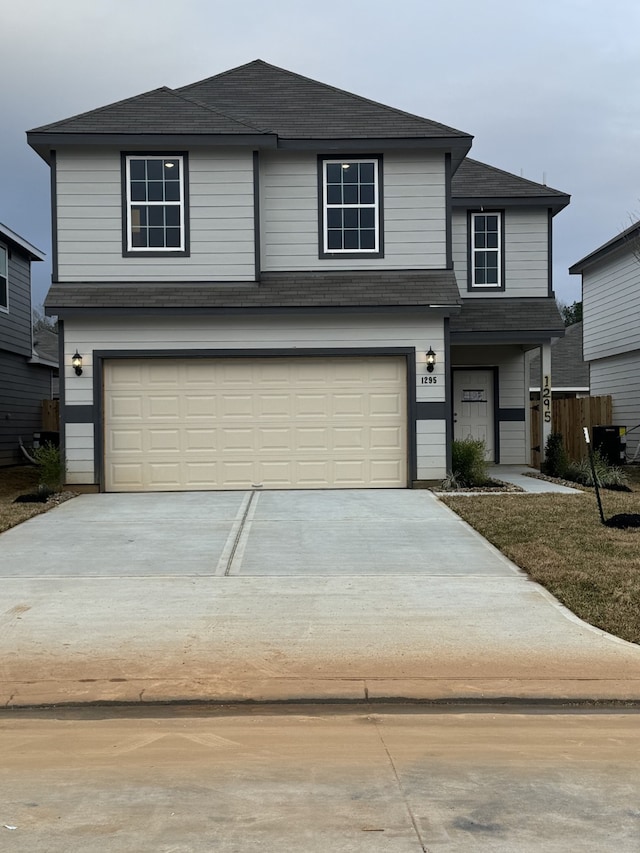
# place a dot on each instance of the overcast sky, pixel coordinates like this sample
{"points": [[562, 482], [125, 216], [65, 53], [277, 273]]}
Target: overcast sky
{"points": [[548, 89]]}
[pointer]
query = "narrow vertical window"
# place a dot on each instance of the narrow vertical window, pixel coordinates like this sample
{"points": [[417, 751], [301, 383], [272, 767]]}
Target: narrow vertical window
{"points": [[351, 207], [155, 204], [4, 279], [486, 250]]}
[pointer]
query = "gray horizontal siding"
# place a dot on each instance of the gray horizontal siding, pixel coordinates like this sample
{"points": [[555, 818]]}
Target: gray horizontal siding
{"points": [[414, 214], [620, 377], [15, 325], [526, 252], [89, 220], [611, 306], [23, 387]]}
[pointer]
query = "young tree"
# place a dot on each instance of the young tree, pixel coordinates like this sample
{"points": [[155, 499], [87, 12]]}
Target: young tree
{"points": [[570, 313]]}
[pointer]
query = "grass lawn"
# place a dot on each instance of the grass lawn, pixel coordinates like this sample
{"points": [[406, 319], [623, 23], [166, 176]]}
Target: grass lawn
{"points": [[14, 481], [559, 541]]}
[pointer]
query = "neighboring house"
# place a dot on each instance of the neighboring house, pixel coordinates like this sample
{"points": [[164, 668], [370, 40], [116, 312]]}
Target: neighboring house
{"points": [[275, 283], [25, 376], [569, 371], [611, 320]]}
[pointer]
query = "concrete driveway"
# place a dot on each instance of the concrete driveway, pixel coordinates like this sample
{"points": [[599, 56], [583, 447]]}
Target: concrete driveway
{"points": [[283, 595]]}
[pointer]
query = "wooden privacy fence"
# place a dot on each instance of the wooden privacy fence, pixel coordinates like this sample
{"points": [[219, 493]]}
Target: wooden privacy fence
{"points": [[569, 417], [50, 416]]}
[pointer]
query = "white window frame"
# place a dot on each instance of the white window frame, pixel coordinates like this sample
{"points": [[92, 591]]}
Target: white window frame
{"points": [[475, 249], [375, 206], [180, 203], [4, 273]]}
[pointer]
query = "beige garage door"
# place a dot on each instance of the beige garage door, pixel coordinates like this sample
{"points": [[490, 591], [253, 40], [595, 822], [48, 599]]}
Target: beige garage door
{"points": [[183, 424]]}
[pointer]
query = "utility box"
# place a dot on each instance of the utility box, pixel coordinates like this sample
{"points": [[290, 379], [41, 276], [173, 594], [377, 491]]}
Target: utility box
{"points": [[611, 443]]}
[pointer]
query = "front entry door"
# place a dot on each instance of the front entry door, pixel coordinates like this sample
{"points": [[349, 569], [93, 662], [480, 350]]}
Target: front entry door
{"points": [[473, 407]]}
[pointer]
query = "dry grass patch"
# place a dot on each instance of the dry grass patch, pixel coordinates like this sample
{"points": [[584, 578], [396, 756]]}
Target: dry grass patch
{"points": [[15, 481], [559, 541]]}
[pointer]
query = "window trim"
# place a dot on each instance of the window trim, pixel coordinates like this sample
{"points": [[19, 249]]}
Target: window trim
{"points": [[350, 254], [155, 252], [4, 250], [471, 285]]}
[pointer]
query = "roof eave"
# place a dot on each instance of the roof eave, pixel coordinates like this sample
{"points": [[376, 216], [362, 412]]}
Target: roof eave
{"points": [[630, 236], [7, 235], [44, 143], [556, 203]]}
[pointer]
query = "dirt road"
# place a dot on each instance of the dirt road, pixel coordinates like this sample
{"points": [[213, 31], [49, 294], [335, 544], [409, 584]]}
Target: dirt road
{"points": [[306, 779]]}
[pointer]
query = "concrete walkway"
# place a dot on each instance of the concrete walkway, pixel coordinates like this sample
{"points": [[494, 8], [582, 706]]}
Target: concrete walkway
{"points": [[518, 475], [313, 595]]}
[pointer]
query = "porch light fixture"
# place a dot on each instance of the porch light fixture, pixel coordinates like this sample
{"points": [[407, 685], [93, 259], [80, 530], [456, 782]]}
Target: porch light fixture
{"points": [[76, 363], [431, 360]]}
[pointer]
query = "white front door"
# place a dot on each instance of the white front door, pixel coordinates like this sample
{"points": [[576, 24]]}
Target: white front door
{"points": [[473, 407]]}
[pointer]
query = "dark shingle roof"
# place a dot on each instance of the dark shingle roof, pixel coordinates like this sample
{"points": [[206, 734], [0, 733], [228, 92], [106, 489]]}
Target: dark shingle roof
{"points": [[501, 316], [158, 111], [393, 289], [256, 98], [475, 180], [568, 370], [296, 107]]}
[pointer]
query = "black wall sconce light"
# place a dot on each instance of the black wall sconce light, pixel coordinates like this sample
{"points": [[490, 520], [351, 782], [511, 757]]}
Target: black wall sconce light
{"points": [[76, 363], [431, 360]]}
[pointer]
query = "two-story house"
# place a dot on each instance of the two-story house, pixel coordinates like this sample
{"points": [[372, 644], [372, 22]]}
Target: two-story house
{"points": [[265, 281], [611, 326], [26, 373]]}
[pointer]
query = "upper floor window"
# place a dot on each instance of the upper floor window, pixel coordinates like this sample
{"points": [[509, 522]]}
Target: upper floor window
{"points": [[4, 279], [486, 255], [351, 202], [156, 215]]}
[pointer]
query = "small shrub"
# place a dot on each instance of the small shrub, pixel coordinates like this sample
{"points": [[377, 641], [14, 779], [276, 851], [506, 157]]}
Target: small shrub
{"points": [[556, 460], [51, 467], [468, 464], [609, 476]]}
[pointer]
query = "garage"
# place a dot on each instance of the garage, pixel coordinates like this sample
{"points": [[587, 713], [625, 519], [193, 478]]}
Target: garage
{"points": [[174, 424]]}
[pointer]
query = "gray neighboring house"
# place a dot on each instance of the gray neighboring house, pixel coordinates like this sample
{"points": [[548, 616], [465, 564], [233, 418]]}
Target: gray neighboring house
{"points": [[26, 375], [611, 321], [275, 283], [569, 371]]}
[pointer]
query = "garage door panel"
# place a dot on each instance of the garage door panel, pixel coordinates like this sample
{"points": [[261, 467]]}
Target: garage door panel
{"points": [[232, 424]]}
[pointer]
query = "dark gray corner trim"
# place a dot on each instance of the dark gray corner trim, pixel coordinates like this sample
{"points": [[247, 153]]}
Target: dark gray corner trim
{"points": [[78, 414], [448, 212], [350, 155], [98, 421], [412, 442], [431, 411], [550, 251], [474, 288], [515, 414], [61, 374], [140, 256], [54, 218], [449, 392], [256, 214], [496, 417]]}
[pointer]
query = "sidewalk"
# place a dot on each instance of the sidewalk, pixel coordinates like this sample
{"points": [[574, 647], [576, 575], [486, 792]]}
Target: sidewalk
{"points": [[282, 596]]}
